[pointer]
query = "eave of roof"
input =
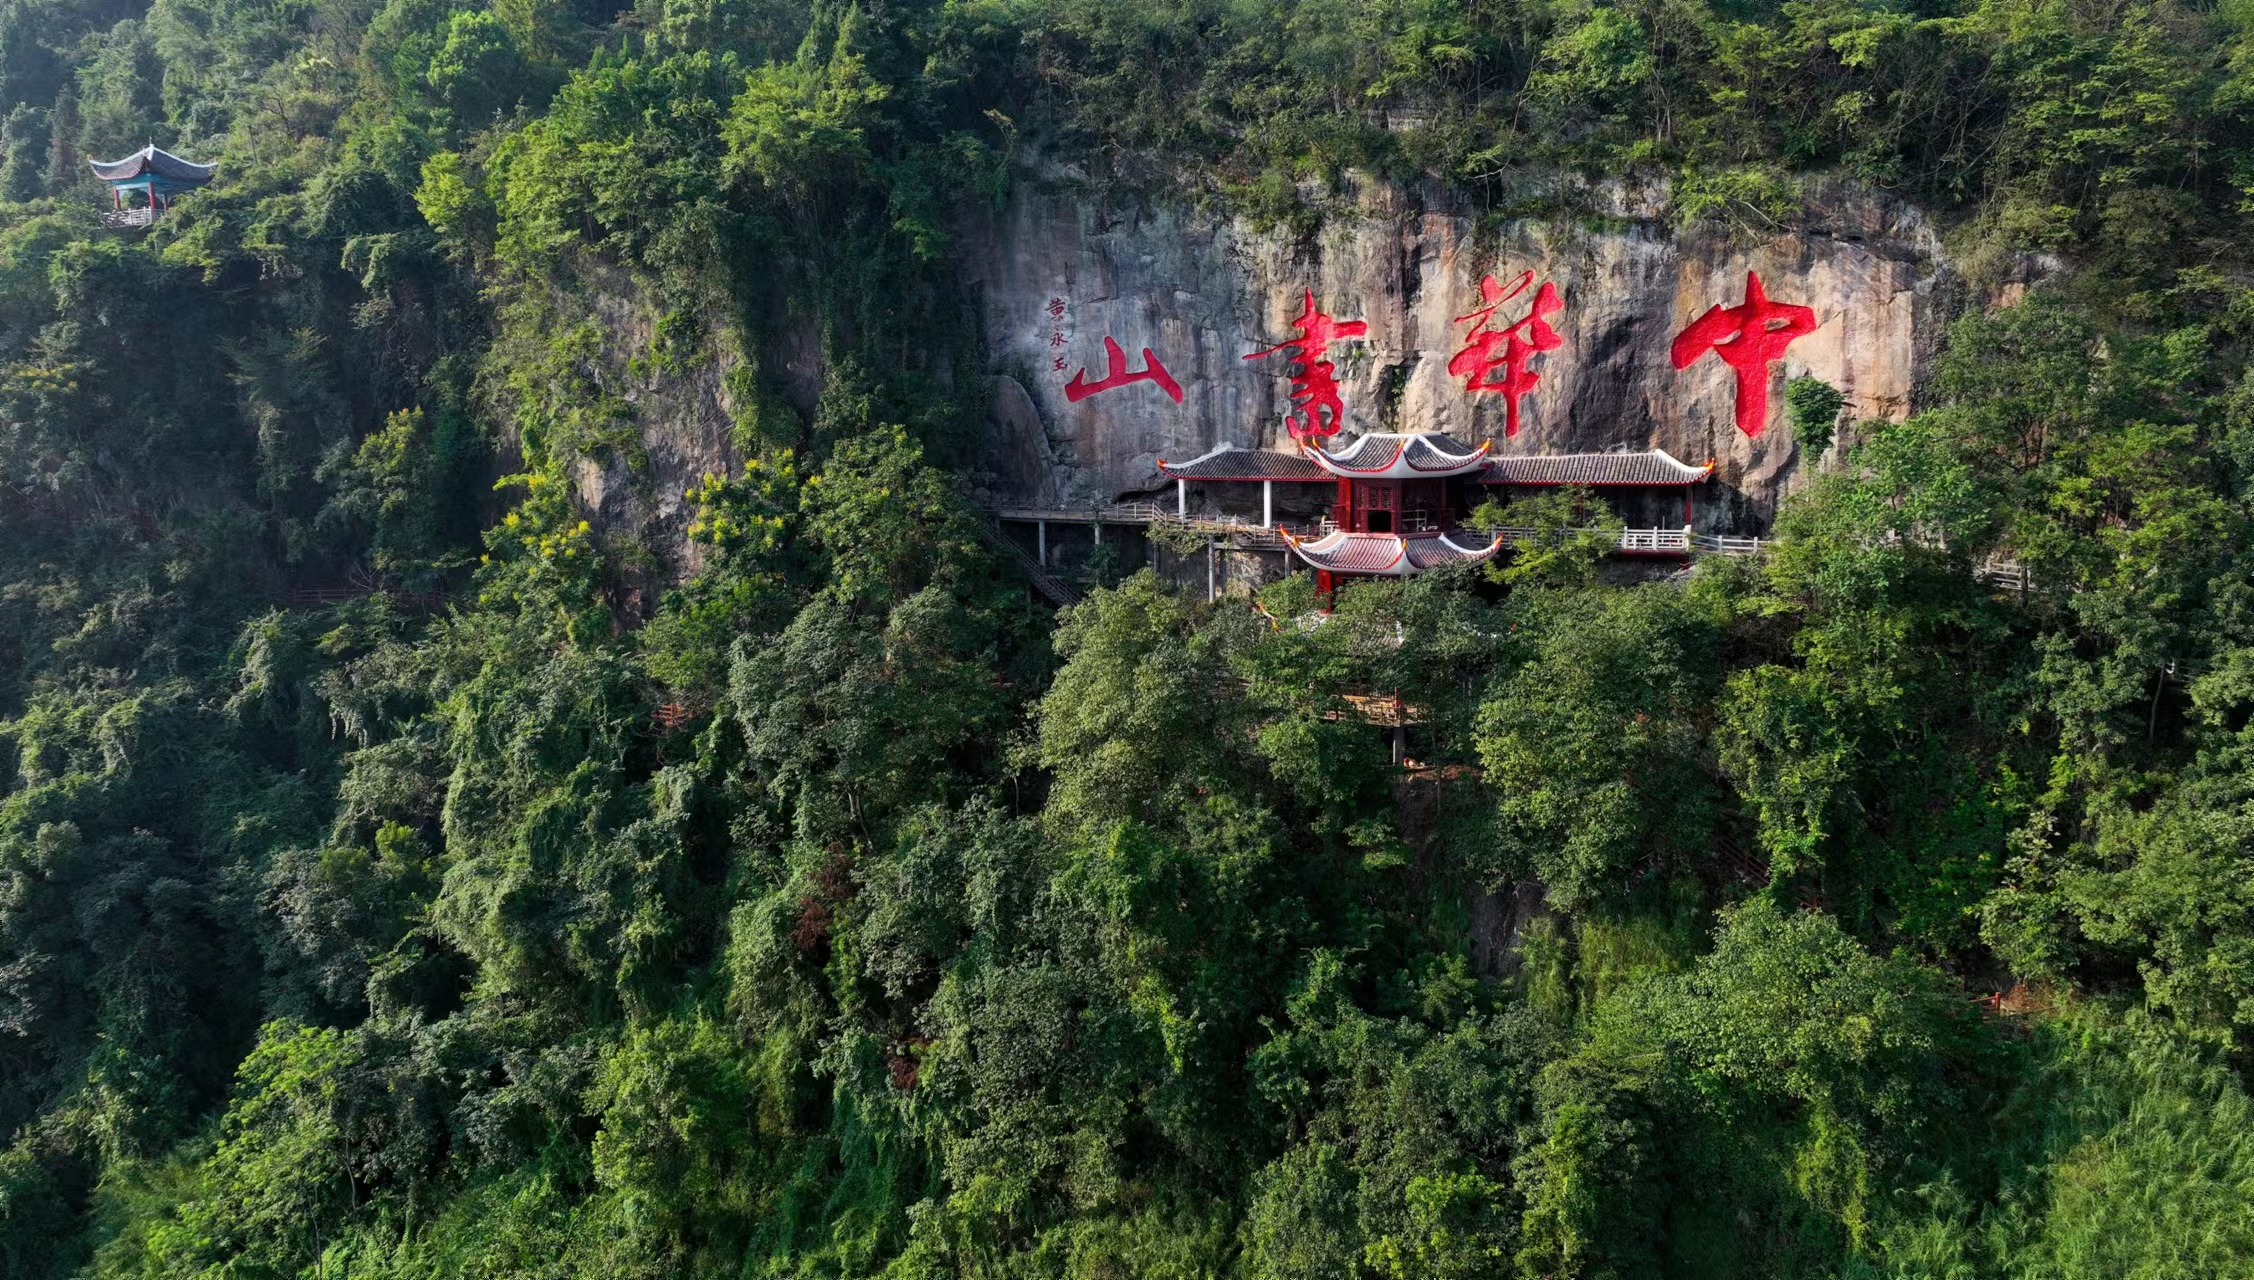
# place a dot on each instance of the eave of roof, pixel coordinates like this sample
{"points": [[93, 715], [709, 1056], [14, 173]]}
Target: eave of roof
{"points": [[1406, 455], [1226, 462], [1649, 468], [1386, 555]]}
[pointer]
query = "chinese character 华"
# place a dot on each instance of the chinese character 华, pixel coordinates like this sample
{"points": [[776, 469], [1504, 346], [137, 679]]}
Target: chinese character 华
{"points": [[1316, 411], [1116, 375], [1520, 341], [1748, 337]]}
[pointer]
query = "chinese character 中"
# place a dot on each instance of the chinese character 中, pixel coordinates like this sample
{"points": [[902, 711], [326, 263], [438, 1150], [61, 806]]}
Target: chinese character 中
{"points": [[1520, 341], [1748, 337], [1116, 375], [1316, 410]]}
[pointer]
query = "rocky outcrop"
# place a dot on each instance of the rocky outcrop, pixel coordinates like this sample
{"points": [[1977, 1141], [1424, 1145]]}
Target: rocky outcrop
{"points": [[1056, 272], [682, 406]]}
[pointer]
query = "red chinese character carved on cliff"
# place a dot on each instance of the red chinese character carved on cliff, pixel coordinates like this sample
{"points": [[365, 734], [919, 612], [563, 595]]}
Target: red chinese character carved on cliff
{"points": [[1116, 375], [1520, 341], [1748, 337], [1315, 411]]}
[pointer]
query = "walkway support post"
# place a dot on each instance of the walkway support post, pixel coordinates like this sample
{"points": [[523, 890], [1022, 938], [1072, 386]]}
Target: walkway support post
{"points": [[1267, 504], [1182, 499], [1041, 543]]}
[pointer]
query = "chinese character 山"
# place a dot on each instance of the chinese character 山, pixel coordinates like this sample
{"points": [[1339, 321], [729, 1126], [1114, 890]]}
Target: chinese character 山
{"points": [[1116, 375]]}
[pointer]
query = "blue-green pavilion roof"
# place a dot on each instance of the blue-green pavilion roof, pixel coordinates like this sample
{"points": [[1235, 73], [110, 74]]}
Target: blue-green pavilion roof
{"points": [[150, 161]]}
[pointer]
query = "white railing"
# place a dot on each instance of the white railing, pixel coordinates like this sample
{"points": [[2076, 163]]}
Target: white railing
{"points": [[1666, 541], [1723, 544], [128, 217], [1677, 540]]}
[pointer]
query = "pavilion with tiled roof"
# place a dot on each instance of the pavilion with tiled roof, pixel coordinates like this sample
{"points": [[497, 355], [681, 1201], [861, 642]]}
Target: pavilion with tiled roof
{"points": [[1400, 495], [156, 175]]}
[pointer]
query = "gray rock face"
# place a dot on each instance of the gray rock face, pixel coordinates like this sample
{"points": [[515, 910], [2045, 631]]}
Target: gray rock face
{"points": [[686, 419], [1057, 273]]}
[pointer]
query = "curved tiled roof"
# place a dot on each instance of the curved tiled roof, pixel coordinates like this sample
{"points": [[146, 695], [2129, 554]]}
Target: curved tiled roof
{"points": [[1385, 554], [150, 159], [1427, 454], [1227, 462], [1424, 553], [1385, 455], [1650, 467]]}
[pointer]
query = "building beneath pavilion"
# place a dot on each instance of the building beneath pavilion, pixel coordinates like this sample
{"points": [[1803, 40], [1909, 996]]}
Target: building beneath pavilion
{"points": [[1398, 500], [144, 184]]}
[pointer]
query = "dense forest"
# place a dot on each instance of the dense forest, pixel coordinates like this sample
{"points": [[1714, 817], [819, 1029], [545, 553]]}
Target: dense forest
{"points": [[837, 909]]}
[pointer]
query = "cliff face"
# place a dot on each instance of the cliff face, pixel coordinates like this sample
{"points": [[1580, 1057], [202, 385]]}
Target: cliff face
{"points": [[685, 413], [1057, 273]]}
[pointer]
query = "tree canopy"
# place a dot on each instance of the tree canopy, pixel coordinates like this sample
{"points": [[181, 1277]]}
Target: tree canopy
{"points": [[408, 871]]}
